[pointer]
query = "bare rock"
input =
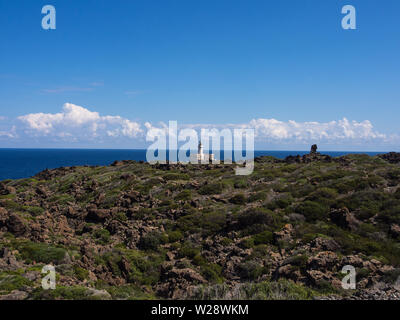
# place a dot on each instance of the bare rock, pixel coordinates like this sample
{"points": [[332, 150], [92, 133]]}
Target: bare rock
{"points": [[99, 294], [16, 225], [395, 230], [325, 260], [15, 295], [98, 215], [285, 234], [344, 219]]}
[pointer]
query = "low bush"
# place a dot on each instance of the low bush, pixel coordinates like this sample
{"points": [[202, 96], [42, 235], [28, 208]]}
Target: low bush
{"points": [[250, 270], [213, 188], [174, 236], [259, 196], [151, 241], [40, 252], [102, 236], [238, 199], [312, 211], [257, 216], [185, 195], [10, 282], [265, 237], [212, 272]]}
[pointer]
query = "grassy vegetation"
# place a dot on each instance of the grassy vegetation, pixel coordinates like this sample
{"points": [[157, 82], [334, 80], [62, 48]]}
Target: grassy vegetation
{"points": [[201, 218]]}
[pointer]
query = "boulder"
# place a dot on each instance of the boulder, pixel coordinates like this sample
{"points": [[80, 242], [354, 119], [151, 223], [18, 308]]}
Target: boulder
{"points": [[395, 230], [5, 190], [325, 260], [314, 148], [98, 215], [284, 235], [15, 295], [344, 219], [324, 244], [391, 157], [99, 294], [16, 225]]}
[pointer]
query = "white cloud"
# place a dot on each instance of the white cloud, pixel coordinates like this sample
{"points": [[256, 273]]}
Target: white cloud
{"points": [[79, 122], [10, 133], [333, 131]]}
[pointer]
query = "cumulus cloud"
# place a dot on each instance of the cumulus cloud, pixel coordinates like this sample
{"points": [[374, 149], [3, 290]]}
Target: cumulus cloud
{"points": [[275, 131], [79, 124], [77, 121], [333, 131], [12, 133]]}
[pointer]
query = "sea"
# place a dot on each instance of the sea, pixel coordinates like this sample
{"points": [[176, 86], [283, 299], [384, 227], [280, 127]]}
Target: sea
{"points": [[25, 163]]}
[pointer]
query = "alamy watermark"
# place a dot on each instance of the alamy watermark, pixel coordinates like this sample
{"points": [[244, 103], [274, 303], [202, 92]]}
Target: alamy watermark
{"points": [[348, 21], [49, 280], [349, 281], [49, 20], [239, 142]]}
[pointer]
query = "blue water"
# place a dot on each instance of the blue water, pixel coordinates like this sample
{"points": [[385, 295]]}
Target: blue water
{"points": [[24, 163]]}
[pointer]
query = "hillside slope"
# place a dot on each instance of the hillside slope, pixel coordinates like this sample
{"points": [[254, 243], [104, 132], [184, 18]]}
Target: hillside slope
{"points": [[136, 231]]}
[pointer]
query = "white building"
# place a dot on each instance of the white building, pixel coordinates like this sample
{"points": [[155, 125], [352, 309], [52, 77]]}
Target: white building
{"points": [[201, 156]]}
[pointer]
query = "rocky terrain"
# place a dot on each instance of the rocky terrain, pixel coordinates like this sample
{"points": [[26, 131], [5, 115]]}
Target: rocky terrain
{"points": [[139, 231]]}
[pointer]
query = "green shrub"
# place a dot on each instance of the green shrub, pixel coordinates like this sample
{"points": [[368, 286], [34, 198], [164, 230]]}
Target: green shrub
{"points": [[324, 195], [240, 184], [40, 252], [265, 237], [102, 236], [35, 211], [312, 211], [250, 270], [259, 196], [151, 241], [212, 272], [368, 200], [120, 216], [238, 199], [176, 176], [325, 287], [210, 189], [145, 266], [199, 260], [247, 243], [10, 282], [185, 195], [268, 290], [226, 241], [257, 216], [174, 236], [298, 261], [280, 203], [391, 276], [64, 293], [208, 223], [81, 273], [188, 251], [143, 213], [126, 292]]}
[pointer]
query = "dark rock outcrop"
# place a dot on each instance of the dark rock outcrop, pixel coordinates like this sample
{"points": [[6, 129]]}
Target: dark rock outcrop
{"points": [[392, 157]]}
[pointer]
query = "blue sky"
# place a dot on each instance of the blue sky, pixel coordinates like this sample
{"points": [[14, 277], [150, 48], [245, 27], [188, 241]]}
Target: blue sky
{"points": [[200, 62]]}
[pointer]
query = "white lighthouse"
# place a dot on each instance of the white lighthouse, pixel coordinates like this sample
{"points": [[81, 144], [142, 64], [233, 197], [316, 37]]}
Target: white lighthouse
{"points": [[200, 151], [201, 156]]}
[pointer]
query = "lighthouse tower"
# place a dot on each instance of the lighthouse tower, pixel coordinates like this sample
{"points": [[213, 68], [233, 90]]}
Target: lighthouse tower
{"points": [[200, 154]]}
